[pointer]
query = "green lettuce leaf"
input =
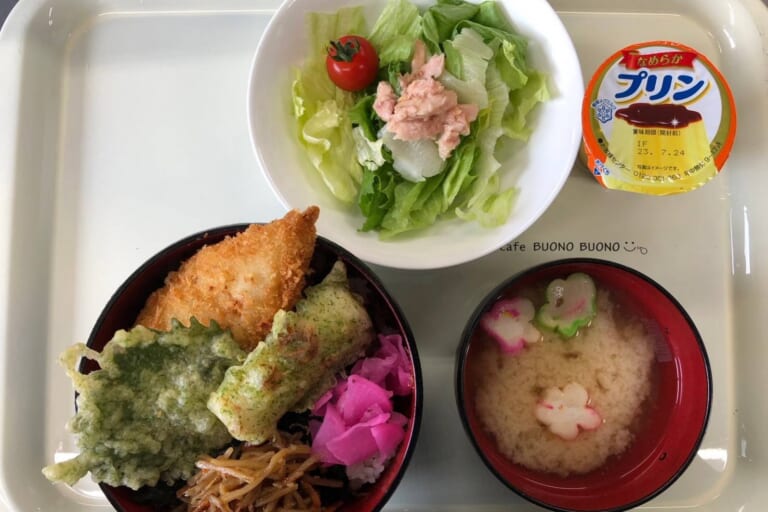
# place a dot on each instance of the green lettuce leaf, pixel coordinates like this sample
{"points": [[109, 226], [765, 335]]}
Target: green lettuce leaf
{"points": [[489, 14], [491, 208], [521, 102], [472, 56], [393, 72], [362, 115], [512, 65], [395, 30], [322, 109], [377, 195], [440, 21], [492, 33], [369, 153], [486, 204], [330, 145], [453, 64], [475, 54], [415, 206], [461, 173]]}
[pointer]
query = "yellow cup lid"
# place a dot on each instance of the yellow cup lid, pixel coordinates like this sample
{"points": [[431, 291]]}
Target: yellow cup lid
{"points": [[658, 118]]}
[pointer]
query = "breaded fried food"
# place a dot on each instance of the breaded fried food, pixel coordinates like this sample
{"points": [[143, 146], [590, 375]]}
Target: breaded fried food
{"points": [[240, 282]]}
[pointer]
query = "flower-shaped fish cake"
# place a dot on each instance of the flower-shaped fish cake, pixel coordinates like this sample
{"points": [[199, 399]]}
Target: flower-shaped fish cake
{"points": [[564, 411], [509, 323]]}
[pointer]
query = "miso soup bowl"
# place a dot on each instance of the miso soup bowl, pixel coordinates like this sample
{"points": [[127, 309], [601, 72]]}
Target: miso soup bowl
{"points": [[124, 306], [671, 426]]}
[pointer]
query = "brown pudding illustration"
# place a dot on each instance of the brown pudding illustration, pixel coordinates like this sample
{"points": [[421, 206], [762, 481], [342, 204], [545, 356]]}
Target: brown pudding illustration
{"points": [[661, 116], [661, 143]]}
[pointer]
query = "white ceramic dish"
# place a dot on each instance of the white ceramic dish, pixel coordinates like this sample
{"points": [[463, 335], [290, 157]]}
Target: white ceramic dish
{"points": [[538, 169], [123, 128]]}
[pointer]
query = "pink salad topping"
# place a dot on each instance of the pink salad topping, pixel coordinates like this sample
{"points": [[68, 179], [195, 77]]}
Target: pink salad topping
{"points": [[425, 109], [565, 411], [509, 323], [359, 428]]}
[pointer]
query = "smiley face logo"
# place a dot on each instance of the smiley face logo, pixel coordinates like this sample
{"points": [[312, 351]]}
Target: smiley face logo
{"points": [[631, 246]]}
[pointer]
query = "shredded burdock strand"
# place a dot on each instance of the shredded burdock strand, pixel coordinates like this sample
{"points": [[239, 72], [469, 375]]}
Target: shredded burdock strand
{"points": [[271, 477]]}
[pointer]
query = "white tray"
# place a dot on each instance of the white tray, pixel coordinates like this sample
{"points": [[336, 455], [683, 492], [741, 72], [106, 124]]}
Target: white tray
{"points": [[123, 128]]}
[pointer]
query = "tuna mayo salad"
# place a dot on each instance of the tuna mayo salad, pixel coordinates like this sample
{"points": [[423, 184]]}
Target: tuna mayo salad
{"points": [[406, 119]]}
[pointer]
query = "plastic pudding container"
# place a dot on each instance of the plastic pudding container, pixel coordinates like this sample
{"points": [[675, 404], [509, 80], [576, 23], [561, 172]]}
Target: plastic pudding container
{"points": [[658, 119]]}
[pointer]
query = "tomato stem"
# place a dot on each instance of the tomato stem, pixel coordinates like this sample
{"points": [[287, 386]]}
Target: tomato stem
{"points": [[343, 52]]}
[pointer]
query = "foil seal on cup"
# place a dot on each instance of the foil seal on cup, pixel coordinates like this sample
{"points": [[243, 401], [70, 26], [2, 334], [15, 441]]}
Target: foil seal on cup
{"points": [[658, 118]]}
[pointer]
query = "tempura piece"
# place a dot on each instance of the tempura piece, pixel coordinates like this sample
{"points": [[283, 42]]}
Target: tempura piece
{"points": [[142, 417], [240, 282], [297, 362]]}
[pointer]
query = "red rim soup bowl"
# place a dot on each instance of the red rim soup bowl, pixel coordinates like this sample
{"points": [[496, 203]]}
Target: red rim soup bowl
{"points": [[124, 306], [672, 428]]}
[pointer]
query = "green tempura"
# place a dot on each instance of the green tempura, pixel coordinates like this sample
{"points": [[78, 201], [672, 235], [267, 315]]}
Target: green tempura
{"points": [[297, 361], [142, 417]]}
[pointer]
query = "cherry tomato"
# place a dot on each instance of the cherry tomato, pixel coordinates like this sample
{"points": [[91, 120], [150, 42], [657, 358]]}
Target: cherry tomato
{"points": [[352, 63]]}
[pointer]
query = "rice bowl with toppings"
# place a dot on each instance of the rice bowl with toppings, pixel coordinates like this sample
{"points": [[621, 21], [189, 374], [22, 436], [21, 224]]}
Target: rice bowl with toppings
{"points": [[290, 454]]}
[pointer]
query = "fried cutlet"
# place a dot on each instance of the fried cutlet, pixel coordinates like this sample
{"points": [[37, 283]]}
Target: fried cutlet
{"points": [[240, 282]]}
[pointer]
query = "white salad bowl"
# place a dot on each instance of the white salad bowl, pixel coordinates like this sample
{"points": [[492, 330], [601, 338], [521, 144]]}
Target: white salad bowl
{"points": [[538, 169]]}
